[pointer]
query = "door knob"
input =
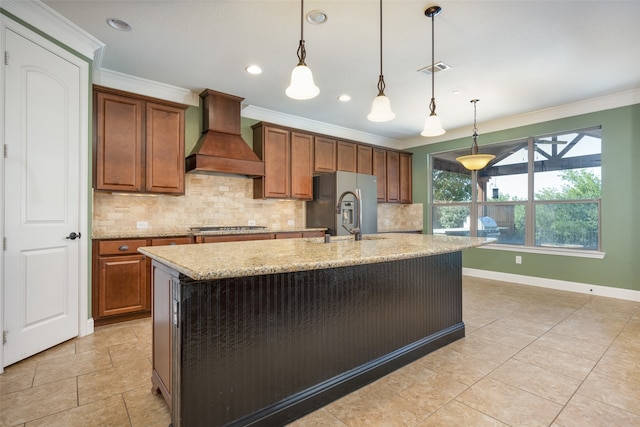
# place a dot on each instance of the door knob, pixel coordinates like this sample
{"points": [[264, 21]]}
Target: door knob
{"points": [[73, 236]]}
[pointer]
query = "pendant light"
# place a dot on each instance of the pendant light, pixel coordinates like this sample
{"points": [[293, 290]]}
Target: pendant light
{"points": [[432, 125], [381, 107], [302, 85], [475, 161]]}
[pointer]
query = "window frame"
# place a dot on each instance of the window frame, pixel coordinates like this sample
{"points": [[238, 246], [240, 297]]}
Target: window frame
{"points": [[530, 204]]}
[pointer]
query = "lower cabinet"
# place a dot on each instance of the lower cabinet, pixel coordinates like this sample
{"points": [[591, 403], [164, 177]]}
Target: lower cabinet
{"points": [[120, 281], [121, 287]]}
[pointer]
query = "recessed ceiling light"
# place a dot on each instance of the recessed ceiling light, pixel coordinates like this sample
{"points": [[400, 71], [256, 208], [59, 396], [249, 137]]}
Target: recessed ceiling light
{"points": [[317, 17], [254, 69], [344, 98], [118, 24]]}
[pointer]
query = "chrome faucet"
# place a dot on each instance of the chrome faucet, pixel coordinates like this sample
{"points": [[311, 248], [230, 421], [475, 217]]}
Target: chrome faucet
{"points": [[357, 227]]}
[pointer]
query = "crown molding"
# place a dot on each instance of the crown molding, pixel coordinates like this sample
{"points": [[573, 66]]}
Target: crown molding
{"points": [[592, 105], [51, 23], [117, 80], [262, 114]]}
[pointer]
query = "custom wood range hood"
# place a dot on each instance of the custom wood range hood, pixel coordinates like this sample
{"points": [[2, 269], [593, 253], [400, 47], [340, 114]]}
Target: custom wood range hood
{"points": [[221, 149]]}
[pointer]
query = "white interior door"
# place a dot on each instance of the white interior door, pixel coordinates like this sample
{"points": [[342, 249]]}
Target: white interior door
{"points": [[42, 194]]}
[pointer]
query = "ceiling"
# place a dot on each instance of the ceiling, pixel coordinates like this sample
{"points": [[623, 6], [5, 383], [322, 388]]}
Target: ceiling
{"points": [[515, 56]]}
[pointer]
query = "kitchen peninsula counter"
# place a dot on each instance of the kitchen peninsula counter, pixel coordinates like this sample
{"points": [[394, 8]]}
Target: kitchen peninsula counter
{"points": [[261, 333]]}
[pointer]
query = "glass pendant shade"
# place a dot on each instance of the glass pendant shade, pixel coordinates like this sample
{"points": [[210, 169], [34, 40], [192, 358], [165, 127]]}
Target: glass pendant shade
{"points": [[302, 85], [381, 110], [475, 162], [432, 126]]}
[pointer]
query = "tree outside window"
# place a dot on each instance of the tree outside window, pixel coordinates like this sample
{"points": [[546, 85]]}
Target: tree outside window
{"points": [[540, 191]]}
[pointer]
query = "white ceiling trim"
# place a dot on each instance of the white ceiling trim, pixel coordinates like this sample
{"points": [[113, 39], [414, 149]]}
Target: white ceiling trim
{"points": [[262, 114], [57, 26], [607, 102], [125, 82]]}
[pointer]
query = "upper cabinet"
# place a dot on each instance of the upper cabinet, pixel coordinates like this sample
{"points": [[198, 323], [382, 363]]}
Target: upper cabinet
{"points": [[139, 143], [288, 163], [365, 159], [324, 154], [406, 190], [379, 165], [393, 177], [346, 156], [291, 158]]}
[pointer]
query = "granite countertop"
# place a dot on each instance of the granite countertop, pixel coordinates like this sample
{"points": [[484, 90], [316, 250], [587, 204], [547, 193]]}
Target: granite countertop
{"points": [[237, 259], [149, 233]]}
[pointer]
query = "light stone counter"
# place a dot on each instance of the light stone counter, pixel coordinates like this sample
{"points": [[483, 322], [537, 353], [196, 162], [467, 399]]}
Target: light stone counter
{"points": [[239, 259]]}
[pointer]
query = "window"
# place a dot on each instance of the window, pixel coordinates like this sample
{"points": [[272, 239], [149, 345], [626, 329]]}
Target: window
{"points": [[542, 191]]}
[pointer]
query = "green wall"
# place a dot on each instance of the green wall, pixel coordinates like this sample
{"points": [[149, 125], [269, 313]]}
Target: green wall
{"points": [[620, 267]]}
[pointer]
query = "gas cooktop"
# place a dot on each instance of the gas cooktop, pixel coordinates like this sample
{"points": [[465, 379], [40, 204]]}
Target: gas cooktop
{"points": [[208, 228]]}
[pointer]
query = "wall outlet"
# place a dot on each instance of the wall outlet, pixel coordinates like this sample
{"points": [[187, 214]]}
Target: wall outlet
{"points": [[251, 223], [142, 224], [291, 222], [518, 259]]}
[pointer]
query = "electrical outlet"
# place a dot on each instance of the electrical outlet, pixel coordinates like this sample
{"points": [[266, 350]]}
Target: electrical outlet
{"points": [[518, 259], [251, 223], [291, 222], [142, 224]]}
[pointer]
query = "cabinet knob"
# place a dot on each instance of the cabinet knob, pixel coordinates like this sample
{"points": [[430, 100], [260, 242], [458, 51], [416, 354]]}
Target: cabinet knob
{"points": [[123, 248]]}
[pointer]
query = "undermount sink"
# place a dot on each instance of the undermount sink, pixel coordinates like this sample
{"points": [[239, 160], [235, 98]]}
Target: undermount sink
{"points": [[335, 239]]}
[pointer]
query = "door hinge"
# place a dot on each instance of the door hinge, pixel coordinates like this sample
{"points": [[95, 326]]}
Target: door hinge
{"points": [[4, 243], [6, 57], [4, 336], [6, 150]]}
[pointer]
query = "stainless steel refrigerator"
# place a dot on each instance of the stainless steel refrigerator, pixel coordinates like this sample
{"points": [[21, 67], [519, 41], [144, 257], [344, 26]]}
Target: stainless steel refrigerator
{"points": [[327, 189]]}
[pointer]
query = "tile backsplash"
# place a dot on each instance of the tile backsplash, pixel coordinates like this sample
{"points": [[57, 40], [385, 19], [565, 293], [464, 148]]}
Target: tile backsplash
{"points": [[222, 201]]}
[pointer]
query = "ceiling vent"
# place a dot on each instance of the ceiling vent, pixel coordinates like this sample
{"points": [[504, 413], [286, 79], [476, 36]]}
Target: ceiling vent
{"points": [[438, 66]]}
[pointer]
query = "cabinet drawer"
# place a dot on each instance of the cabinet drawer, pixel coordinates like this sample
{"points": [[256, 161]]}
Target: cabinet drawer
{"points": [[121, 247], [171, 241]]}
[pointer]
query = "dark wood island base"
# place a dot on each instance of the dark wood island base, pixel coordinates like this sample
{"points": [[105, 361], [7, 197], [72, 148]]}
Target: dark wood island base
{"points": [[264, 350]]}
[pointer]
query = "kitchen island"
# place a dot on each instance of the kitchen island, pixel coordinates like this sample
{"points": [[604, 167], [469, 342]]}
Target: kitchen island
{"points": [[261, 333]]}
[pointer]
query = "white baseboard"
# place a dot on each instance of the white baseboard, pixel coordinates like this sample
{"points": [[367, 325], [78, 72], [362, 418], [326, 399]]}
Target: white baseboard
{"points": [[88, 328], [604, 291]]}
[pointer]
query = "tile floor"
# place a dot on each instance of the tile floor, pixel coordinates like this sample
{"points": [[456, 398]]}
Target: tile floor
{"points": [[531, 357]]}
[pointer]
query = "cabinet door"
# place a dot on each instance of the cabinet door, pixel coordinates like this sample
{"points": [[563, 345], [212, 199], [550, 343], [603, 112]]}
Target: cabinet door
{"points": [[393, 176], [164, 149], [277, 156], [379, 166], [324, 155], [346, 157], [365, 159], [406, 195], [118, 143], [122, 285], [301, 166]]}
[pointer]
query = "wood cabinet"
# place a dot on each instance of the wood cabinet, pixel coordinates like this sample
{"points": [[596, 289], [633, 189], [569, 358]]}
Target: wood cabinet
{"points": [[324, 151], [346, 157], [365, 159], [120, 281], [379, 169], [288, 160], [121, 278], [406, 191], [138, 143], [393, 177]]}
